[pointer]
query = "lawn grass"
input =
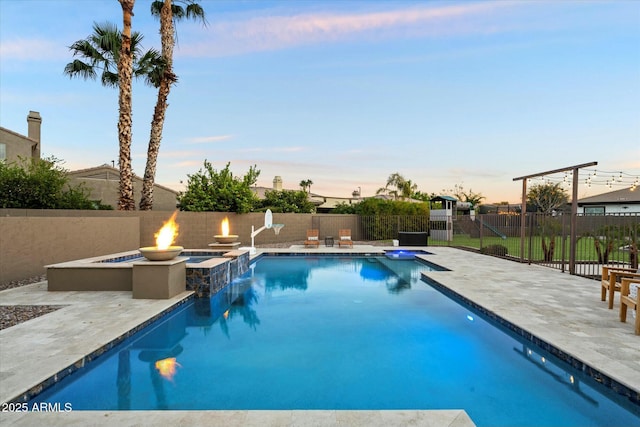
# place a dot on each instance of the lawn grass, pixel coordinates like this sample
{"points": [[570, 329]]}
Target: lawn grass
{"points": [[585, 247]]}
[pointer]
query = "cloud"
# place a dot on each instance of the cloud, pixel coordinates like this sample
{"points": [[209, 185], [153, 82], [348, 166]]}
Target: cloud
{"points": [[475, 173], [273, 149], [287, 149], [208, 139], [31, 49], [280, 32], [187, 163]]}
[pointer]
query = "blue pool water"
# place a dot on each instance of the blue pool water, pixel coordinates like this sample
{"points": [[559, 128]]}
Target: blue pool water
{"points": [[338, 333]]}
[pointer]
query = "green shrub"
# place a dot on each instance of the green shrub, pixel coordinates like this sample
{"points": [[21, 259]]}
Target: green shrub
{"points": [[40, 184], [497, 250], [219, 191]]}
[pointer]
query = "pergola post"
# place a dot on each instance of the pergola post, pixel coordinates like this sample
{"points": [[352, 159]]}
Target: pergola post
{"points": [[574, 224], [523, 217], [574, 211]]}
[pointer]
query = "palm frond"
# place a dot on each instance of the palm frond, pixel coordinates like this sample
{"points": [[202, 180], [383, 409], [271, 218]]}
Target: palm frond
{"points": [[151, 66], [109, 79], [80, 69], [196, 13]]}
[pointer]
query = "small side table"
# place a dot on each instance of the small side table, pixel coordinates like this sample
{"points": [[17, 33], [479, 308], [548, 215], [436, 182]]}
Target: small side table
{"points": [[328, 241]]}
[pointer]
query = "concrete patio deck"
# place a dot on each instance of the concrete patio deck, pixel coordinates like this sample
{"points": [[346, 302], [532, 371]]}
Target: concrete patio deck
{"points": [[560, 309]]}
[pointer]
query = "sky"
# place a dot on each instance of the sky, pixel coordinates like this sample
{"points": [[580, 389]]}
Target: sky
{"points": [[345, 93]]}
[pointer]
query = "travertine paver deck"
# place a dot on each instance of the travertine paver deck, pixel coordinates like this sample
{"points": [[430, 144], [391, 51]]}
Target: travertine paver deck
{"points": [[563, 310]]}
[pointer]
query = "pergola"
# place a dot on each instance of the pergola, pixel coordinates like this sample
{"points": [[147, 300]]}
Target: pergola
{"points": [[574, 210]]}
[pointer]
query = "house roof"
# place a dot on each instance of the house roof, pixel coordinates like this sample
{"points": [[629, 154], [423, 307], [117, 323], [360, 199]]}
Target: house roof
{"points": [[443, 198], [107, 172], [26, 138], [626, 196]]}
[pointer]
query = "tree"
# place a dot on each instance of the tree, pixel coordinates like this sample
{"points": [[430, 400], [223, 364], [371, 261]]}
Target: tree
{"points": [[41, 184], [373, 206], [389, 217], [306, 184], [287, 201], [126, 201], [547, 197], [609, 238], [210, 190], [419, 195], [403, 188], [100, 53], [168, 12], [470, 197]]}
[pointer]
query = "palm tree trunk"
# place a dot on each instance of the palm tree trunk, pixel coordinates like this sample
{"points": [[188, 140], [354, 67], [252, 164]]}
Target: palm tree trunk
{"points": [[126, 200], [157, 123]]}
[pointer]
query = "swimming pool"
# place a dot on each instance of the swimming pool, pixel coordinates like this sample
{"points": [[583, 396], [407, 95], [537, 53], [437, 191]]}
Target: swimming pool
{"points": [[337, 333]]}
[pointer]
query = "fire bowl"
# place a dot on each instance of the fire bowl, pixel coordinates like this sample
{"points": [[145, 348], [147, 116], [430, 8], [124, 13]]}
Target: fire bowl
{"points": [[226, 239], [152, 253]]}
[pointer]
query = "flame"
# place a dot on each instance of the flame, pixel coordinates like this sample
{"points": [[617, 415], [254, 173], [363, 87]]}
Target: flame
{"points": [[168, 233], [226, 314], [225, 226], [167, 367]]}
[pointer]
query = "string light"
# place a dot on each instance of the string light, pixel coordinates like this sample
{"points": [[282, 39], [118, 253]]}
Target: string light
{"points": [[593, 177]]}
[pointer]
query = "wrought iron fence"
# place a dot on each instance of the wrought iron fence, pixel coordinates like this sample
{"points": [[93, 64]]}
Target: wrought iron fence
{"points": [[601, 239]]}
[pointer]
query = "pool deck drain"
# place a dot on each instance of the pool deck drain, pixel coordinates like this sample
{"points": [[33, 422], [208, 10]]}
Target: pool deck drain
{"points": [[558, 308]]}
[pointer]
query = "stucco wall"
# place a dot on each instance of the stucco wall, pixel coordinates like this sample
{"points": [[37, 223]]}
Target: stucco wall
{"points": [[197, 229], [17, 146], [33, 238], [27, 244]]}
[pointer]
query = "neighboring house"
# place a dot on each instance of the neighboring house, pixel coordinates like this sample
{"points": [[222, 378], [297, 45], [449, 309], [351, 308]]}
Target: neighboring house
{"points": [[323, 204], [102, 181], [623, 201], [103, 184], [15, 147]]}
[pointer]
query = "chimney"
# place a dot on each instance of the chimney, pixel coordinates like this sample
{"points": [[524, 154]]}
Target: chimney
{"points": [[277, 183], [34, 121]]}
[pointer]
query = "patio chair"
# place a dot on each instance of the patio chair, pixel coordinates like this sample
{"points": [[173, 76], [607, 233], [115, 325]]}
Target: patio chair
{"points": [[313, 238], [610, 282], [344, 236], [630, 299]]}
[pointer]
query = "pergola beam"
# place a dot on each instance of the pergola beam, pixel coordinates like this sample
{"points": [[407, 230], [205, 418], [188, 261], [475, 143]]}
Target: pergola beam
{"points": [[535, 175], [574, 210]]}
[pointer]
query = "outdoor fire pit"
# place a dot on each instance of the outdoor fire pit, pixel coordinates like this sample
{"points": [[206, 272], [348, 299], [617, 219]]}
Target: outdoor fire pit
{"points": [[163, 251], [225, 239], [153, 253]]}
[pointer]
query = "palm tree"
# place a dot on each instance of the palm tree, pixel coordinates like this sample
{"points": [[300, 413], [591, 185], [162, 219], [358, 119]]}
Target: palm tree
{"points": [[306, 184], [403, 188], [126, 201], [407, 188], [100, 53], [167, 11]]}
